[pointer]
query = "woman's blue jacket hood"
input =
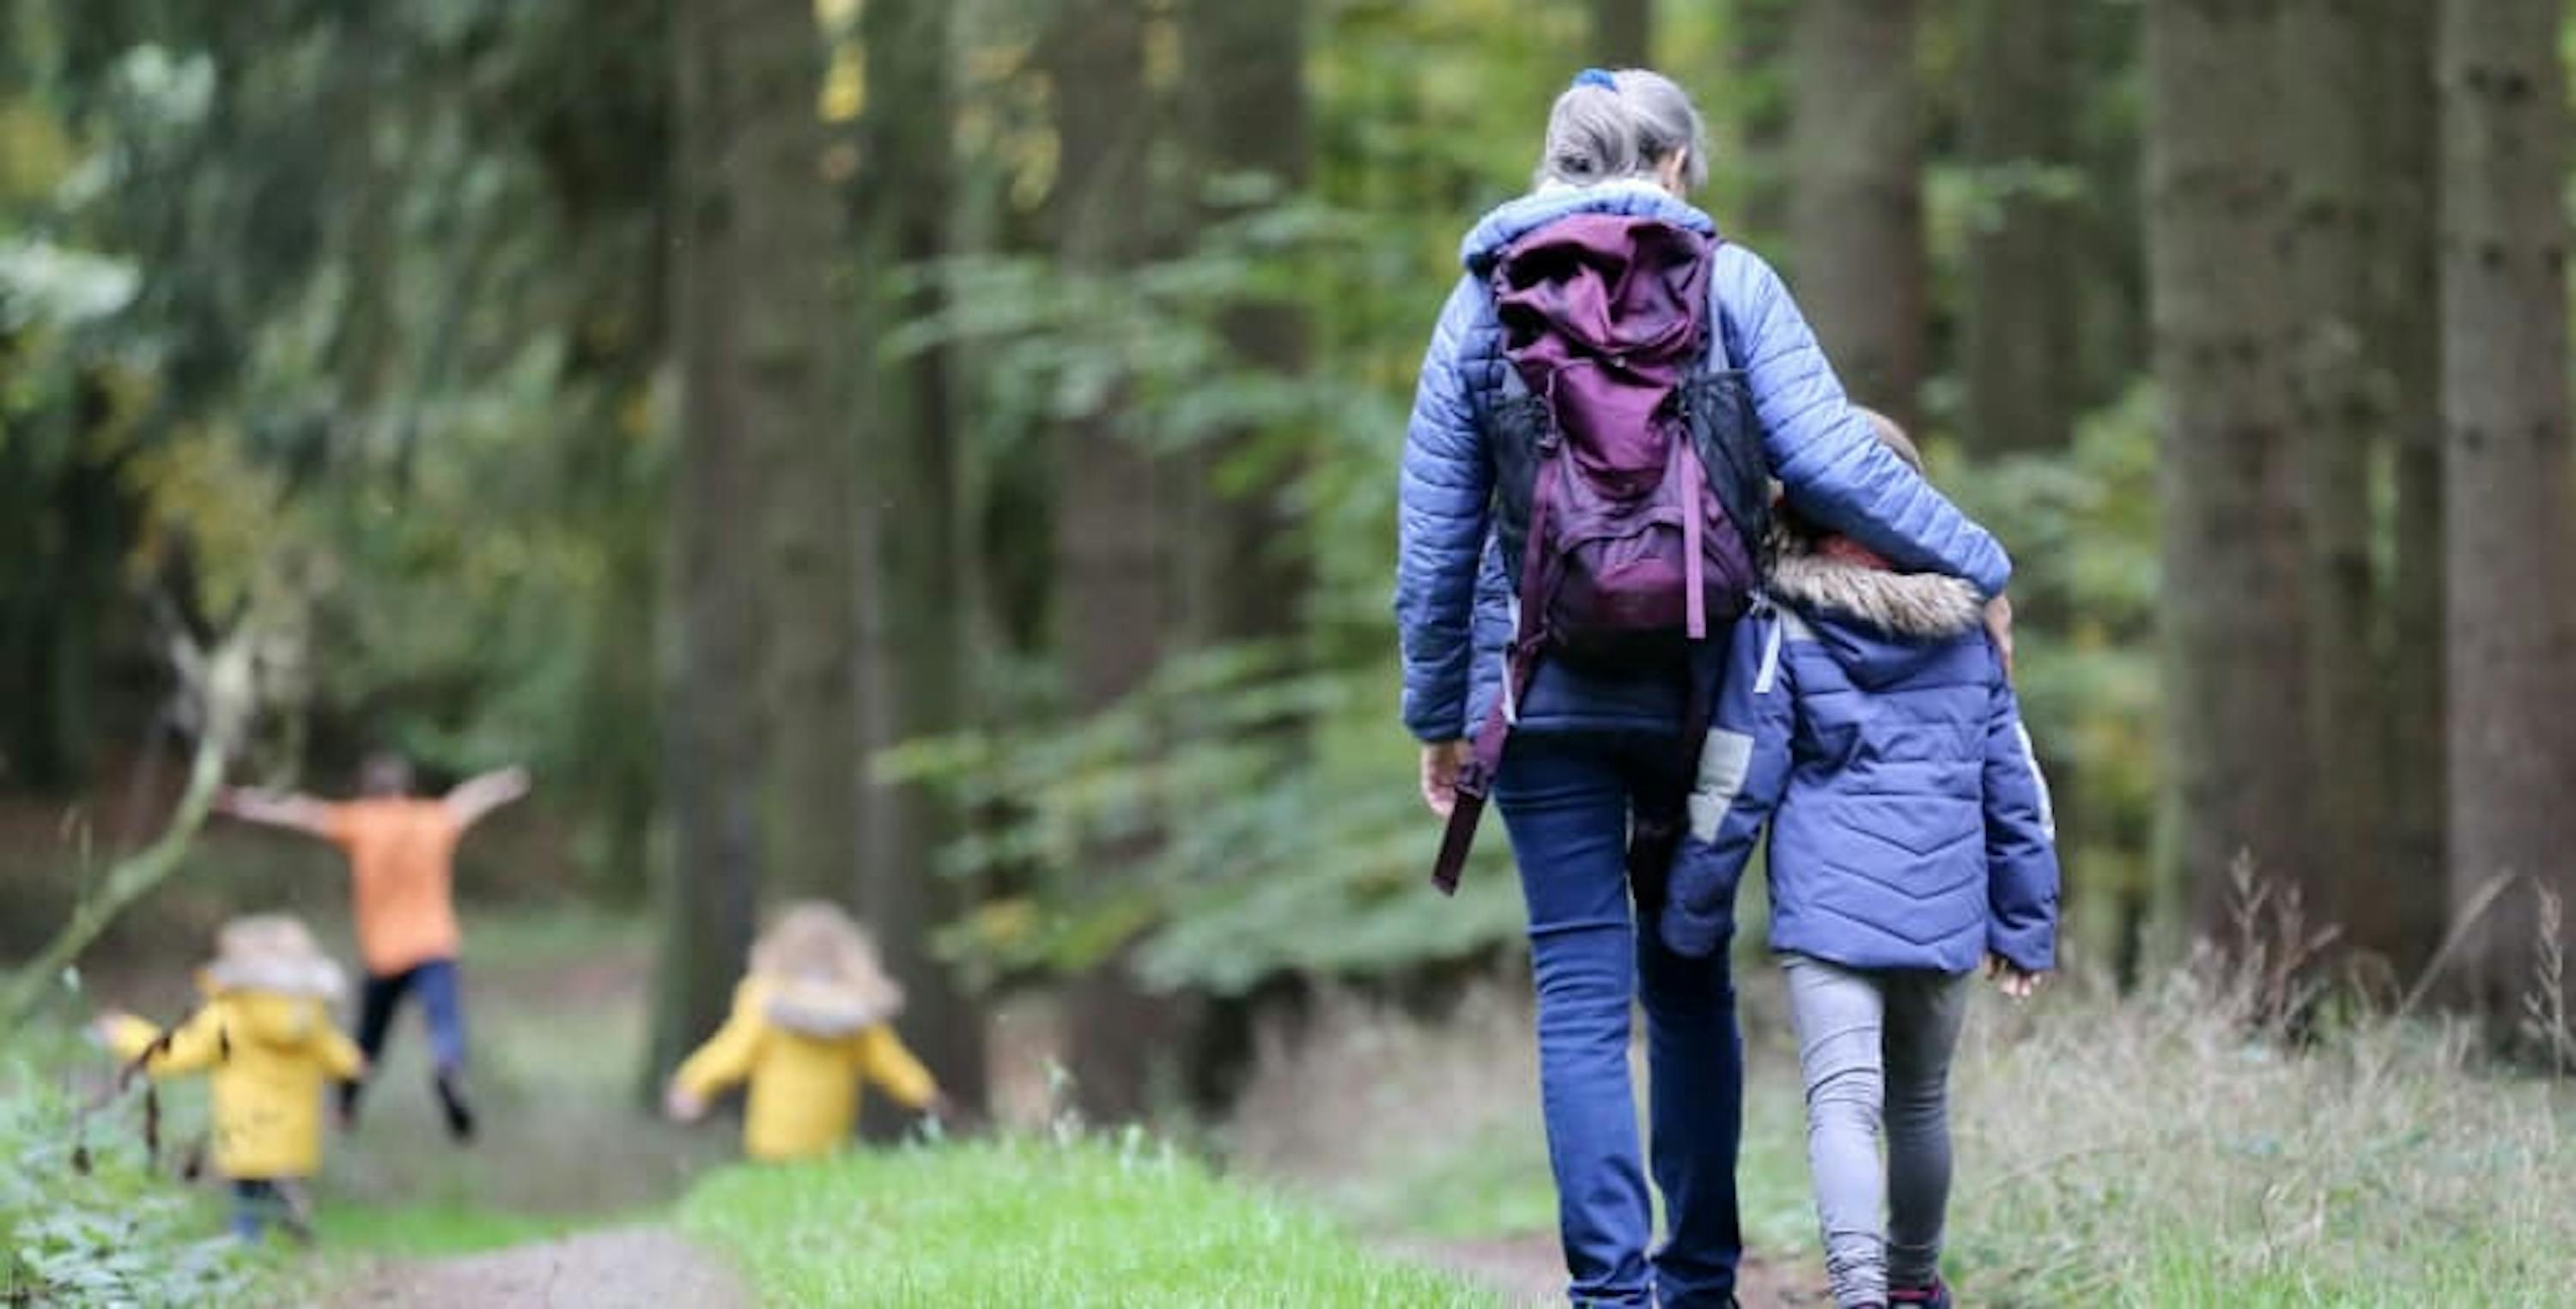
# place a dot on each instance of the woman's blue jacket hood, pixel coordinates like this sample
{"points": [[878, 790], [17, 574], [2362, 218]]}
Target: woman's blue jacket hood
{"points": [[1452, 602]]}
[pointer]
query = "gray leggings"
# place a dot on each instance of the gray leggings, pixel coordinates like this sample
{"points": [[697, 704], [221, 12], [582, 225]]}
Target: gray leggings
{"points": [[1867, 1040]]}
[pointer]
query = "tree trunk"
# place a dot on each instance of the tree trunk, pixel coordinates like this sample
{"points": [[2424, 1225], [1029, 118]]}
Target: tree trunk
{"points": [[2507, 473], [1623, 32], [1856, 194], [2023, 309], [2340, 411], [918, 641], [1245, 87], [1112, 603], [2410, 353], [787, 219], [2235, 745], [1248, 574], [1762, 101], [713, 728]]}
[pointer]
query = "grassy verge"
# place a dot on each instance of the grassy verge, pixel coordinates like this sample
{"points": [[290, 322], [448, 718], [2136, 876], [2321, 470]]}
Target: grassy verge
{"points": [[2133, 1152], [1029, 1222]]}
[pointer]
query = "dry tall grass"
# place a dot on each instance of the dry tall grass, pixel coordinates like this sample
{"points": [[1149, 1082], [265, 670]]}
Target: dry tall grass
{"points": [[2165, 1148]]}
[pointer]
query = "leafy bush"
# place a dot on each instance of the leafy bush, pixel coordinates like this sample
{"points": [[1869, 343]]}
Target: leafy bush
{"points": [[89, 1219]]}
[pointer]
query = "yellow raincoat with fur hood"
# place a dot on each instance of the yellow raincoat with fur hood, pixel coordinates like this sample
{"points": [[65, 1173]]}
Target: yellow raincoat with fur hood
{"points": [[811, 1025], [264, 1038]]}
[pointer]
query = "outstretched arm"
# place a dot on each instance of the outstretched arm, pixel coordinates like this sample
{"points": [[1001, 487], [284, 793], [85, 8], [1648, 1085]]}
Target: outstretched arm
{"points": [[193, 1046], [722, 1062], [477, 796], [1822, 449], [885, 1061], [293, 812]]}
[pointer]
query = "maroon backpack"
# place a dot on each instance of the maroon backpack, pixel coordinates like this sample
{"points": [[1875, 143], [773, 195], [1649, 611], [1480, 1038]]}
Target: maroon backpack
{"points": [[1630, 489]]}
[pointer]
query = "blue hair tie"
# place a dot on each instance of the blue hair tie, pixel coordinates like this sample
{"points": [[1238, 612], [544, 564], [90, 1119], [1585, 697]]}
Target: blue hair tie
{"points": [[1596, 77]]}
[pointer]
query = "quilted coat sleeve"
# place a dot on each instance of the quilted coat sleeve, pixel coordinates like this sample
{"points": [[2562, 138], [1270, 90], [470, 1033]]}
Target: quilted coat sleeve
{"points": [[2021, 842], [1821, 448], [1440, 527], [1743, 768]]}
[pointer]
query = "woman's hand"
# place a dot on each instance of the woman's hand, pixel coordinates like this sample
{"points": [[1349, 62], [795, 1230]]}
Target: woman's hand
{"points": [[1441, 761], [2016, 982], [1999, 629]]}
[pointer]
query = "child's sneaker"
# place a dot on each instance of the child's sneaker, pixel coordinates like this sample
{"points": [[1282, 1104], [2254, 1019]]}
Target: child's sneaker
{"points": [[1935, 1296], [451, 1100]]}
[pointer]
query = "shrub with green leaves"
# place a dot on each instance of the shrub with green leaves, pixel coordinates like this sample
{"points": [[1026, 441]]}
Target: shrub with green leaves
{"points": [[89, 1218]]}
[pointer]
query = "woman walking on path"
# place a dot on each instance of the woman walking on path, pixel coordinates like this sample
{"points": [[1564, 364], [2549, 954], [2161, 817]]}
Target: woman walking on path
{"points": [[1589, 753]]}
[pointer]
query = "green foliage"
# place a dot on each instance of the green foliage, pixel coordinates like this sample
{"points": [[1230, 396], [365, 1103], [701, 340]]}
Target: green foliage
{"points": [[2150, 1150], [2083, 528], [1289, 842], [1032, 1222], [88, 1219]]}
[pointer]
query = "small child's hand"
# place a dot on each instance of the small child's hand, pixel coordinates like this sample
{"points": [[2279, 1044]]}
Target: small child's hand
{"points": [[2012, 979], [680, 1106]]}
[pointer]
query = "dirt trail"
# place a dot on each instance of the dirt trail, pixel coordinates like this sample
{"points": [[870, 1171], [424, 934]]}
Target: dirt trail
{"points": [[1530, 1270], [622, 1268]]}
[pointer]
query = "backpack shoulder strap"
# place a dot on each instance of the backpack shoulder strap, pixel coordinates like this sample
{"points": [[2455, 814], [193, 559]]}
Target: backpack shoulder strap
{"points": [[1720, 359]]}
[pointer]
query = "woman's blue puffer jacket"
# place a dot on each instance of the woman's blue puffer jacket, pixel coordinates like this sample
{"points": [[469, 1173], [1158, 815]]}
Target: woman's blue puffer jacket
{"points": [[1451, 601]]}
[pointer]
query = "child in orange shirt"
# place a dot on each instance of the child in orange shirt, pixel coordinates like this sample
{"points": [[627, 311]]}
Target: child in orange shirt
{"points": [[401, 851]]}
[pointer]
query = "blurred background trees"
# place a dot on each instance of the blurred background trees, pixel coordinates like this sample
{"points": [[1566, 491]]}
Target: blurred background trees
{"points": [[940, 455]]}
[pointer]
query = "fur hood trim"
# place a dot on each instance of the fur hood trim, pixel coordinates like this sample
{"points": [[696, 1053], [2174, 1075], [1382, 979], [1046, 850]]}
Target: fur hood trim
{"points": [[823, 973], [272, 953], [1920, 606]]}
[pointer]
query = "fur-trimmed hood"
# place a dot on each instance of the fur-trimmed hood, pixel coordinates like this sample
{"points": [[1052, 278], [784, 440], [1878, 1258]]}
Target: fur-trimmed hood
{"points": [[1879, 624], [272, 954], [1917, 606], [821, 975]]}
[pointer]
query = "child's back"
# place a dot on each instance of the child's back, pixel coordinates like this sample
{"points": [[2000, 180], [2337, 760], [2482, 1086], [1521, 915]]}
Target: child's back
{"points": [[264, 1039], [805, 1071], [811, 1025], [1867, 718], [1867, 721]]}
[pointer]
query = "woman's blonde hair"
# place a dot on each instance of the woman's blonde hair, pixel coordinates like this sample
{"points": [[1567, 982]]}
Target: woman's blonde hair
{"points": [[1613, 126]]}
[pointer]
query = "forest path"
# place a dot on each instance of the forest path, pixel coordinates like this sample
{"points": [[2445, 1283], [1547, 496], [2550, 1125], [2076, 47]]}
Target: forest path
{"points": [[1532, 1271], [618, 1268]]}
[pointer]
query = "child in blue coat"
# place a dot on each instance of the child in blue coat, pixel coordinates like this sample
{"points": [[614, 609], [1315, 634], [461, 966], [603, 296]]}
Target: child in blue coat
{"points": [[1867, 720]]}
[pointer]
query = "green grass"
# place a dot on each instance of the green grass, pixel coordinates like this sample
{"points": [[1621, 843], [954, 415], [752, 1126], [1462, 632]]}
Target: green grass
{"points": [[1030, 1222], [2145, 1151]]}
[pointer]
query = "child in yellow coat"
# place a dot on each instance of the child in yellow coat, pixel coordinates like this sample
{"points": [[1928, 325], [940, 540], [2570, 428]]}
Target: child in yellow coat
{"points": [[265, 1040], [811, 1023]]}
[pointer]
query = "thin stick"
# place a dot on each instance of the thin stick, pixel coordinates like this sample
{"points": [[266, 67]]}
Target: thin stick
{"points": [[2478, 905]]}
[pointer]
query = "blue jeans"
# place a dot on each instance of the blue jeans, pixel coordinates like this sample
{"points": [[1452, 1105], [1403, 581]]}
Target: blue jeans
{"points": [[1567, 800], [440, 1004], [257, 1202]]}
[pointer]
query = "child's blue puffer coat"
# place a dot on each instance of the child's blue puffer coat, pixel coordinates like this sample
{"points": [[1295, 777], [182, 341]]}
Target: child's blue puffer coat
{"points": [[1451, 601], [1866, 717]]}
